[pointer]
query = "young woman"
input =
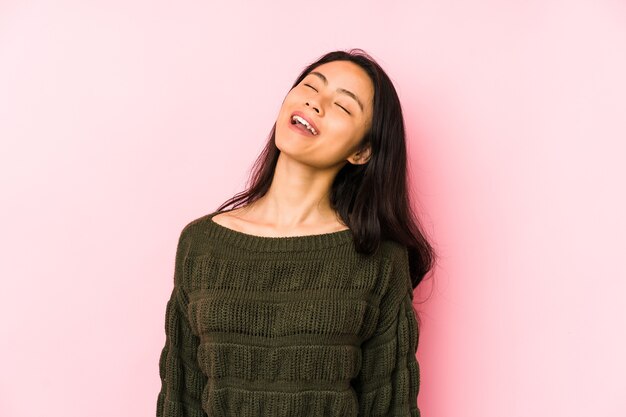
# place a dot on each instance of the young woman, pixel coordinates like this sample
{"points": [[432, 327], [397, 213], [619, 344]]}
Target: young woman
{"points": [[297, 301]]}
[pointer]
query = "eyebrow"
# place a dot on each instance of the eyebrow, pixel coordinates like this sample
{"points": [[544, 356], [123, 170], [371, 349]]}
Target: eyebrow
{"points": [[341, 90]]}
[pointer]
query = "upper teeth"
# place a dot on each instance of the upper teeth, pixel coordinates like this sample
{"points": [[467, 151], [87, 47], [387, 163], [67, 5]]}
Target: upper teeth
{"points": [[305, 123]]}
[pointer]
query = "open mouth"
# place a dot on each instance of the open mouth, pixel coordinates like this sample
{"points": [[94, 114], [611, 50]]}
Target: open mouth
{"points": [[303, 124]]}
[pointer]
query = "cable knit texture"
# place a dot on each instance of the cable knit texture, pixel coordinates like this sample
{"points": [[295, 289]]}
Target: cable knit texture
{"points": [[287, 326]]}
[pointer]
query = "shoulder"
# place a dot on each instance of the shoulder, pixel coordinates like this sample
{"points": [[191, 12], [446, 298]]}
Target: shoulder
{"points": [[196, 226], [190, 233], [393, 252], [187, 236], [396, 258]]}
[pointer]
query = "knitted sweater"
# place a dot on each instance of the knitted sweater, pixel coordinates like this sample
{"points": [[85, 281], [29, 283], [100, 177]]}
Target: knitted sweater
{"points": [[299, 326]]}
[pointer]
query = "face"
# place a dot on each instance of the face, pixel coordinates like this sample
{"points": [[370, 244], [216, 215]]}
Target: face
{"points": [[332, 110]]}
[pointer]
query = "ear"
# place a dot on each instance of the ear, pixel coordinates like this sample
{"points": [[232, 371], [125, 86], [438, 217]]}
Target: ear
{"points": [[361, 156]]}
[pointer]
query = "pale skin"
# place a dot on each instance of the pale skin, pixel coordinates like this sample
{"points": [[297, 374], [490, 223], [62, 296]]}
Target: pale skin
{"points": [[297, 202]]}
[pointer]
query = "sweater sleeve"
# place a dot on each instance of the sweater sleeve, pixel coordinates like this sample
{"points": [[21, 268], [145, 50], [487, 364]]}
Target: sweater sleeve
{"points": [[182, 381], [389, 379]]}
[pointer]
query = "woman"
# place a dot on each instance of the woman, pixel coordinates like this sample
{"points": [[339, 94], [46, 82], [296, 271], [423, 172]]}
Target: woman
{"points": [[298, 300]]}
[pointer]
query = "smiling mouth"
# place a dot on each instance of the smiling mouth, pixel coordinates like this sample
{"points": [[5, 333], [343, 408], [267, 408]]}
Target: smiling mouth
{"points": [[295, 119]]}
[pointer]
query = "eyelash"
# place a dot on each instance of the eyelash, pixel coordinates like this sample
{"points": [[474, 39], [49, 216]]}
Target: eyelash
{"points": [[313, 88]]}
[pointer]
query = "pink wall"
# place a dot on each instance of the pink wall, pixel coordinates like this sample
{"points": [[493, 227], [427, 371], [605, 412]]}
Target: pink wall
{"points": [[120, 121]]}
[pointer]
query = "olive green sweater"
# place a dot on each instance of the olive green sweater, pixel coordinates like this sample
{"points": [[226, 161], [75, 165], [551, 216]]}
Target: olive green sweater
{"points": [[287, 326]]}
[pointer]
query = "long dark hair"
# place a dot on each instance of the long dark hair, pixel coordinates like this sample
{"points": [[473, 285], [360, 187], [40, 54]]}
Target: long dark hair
{"points": [[372, 199]]}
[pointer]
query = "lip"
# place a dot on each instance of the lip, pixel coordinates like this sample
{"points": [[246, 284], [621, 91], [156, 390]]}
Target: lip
{"points": [[304, 116]]}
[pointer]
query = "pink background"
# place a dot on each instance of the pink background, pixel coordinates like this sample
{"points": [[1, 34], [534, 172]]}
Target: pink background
{"points": [[121, 121]]}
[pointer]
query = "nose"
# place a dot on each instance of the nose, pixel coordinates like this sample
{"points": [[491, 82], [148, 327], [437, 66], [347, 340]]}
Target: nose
{"points": [[314, 106]]}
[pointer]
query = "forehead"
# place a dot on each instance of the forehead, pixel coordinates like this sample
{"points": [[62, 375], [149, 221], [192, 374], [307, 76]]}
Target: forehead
{"points": [[348, 75]]}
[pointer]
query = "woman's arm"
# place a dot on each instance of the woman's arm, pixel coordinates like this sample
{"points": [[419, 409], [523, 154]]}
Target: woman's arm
{"points": [[182, 381], [389, 379]]}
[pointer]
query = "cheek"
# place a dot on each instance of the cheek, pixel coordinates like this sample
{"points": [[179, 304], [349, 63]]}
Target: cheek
{"points": [[288, 102], [348, 128], [364, 126], [283, 113], [338, 128], [293, 96]]}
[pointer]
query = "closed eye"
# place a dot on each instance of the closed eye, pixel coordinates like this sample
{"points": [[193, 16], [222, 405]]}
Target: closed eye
{"points": [[344, 109]]}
